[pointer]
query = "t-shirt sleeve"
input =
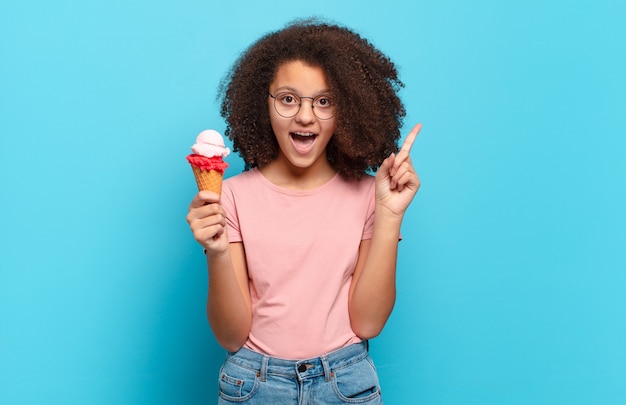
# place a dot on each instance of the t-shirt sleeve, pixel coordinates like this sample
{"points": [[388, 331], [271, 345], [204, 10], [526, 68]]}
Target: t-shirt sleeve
{"points": [[232, 220]]}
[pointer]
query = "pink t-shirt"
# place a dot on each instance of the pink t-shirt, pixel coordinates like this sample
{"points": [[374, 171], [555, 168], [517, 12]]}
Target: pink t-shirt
{"points": [[301, 249]]}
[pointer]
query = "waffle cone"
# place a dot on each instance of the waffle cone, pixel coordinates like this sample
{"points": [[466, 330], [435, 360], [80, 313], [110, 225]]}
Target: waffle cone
{"points": [[208, 180]]}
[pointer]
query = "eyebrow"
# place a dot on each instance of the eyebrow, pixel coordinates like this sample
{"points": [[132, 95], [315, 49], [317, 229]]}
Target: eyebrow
{"points": [[292, 90]]}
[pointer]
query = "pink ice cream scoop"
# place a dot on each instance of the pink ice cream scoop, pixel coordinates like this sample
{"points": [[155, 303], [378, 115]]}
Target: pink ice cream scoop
{"points": [[210, 143]]}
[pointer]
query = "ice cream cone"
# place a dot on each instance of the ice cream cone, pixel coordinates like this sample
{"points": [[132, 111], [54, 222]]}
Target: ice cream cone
{"points": [[208, 179], [207, 160]]}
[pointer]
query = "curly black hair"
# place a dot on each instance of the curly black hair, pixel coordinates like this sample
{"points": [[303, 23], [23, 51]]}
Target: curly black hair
{"points": [[363, 82]]}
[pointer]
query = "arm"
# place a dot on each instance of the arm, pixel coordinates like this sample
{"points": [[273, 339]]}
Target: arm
{"points": [[228, 304], [373, 289]]}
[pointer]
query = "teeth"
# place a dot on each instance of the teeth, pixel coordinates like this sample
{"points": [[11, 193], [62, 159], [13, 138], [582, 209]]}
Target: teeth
{"points": [[303, 133]]}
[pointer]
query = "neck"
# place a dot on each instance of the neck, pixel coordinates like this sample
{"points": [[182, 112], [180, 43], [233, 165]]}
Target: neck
{"points": [[298, 178]]}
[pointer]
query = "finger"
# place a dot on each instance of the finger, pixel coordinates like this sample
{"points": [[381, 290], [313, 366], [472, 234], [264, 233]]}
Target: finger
{"points": [[406, 179], [205, 218], [204, 212], [209, 196], [204, 197], [405, 152], [219, 233], [410, 138], [208, 235], [403, 174], [384, 170], [213, 231], [206, 228], [401, 160]]}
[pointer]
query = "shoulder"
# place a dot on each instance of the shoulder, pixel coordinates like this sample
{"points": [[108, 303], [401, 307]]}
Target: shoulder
{"points": [[242, 180], [239, 187]]}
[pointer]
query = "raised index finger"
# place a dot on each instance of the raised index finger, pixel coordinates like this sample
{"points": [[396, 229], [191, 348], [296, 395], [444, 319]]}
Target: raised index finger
{"points": [[410, 139]]}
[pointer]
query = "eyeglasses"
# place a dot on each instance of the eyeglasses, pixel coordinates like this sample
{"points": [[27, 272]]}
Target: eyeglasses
{"points": [[287, 105]]}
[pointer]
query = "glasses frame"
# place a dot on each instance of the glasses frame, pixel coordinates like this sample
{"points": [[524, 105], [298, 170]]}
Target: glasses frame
{"points": [[300, 104]]}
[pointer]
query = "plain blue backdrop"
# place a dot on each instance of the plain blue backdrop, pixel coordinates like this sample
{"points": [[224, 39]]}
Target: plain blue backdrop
{"points": [[512, 271]]}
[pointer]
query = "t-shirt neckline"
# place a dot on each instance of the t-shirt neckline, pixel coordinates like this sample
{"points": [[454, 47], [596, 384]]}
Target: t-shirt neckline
{"points": [[293, 192]]}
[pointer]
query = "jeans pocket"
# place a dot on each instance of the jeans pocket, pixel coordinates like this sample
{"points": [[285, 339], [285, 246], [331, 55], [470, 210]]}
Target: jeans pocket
{"points": [[357, 383], [237, 383]]}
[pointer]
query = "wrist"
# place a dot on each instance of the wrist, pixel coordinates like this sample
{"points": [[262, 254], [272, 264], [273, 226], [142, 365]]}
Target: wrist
{"points": [[387, 215], [215, 254], [387, 227]]}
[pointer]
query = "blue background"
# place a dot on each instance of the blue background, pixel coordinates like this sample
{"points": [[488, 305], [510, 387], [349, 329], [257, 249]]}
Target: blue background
{"points": [[512, 270]]}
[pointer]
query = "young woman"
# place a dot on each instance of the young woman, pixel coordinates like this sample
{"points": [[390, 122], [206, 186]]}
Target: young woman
{"points": [[302, 246]]}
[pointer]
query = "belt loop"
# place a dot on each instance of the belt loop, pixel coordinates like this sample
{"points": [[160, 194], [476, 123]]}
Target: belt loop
{"points": [[264, 363], [327, 371]]}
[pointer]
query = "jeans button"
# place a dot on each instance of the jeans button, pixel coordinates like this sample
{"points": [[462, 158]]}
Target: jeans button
{"points": [[302, 368]]}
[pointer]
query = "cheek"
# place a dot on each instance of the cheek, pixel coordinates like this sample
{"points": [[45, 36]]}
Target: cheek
{"points": [[330, 126]]}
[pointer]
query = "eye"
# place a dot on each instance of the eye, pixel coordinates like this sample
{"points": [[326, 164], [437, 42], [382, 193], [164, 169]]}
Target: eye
{"points": [[288, 99], [323, 102]]}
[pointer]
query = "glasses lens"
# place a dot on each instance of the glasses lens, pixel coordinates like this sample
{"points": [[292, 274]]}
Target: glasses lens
{"points": [[323, 107], [287, 104]]}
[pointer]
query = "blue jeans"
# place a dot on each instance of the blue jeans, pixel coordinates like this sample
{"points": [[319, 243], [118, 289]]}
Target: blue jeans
{"points": [[346, 376]]}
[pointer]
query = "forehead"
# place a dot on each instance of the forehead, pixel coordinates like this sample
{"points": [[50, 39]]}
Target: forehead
{"points": [[299, 77]]}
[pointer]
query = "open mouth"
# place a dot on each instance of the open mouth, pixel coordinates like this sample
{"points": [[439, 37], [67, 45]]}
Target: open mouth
{"points": [[303, 141]]}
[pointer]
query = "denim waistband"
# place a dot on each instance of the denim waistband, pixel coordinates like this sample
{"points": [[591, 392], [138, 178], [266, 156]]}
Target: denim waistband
{"points": [[300, 369]]}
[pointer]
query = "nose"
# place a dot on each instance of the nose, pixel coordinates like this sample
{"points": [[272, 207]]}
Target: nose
{"points": [[305, 114]]}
